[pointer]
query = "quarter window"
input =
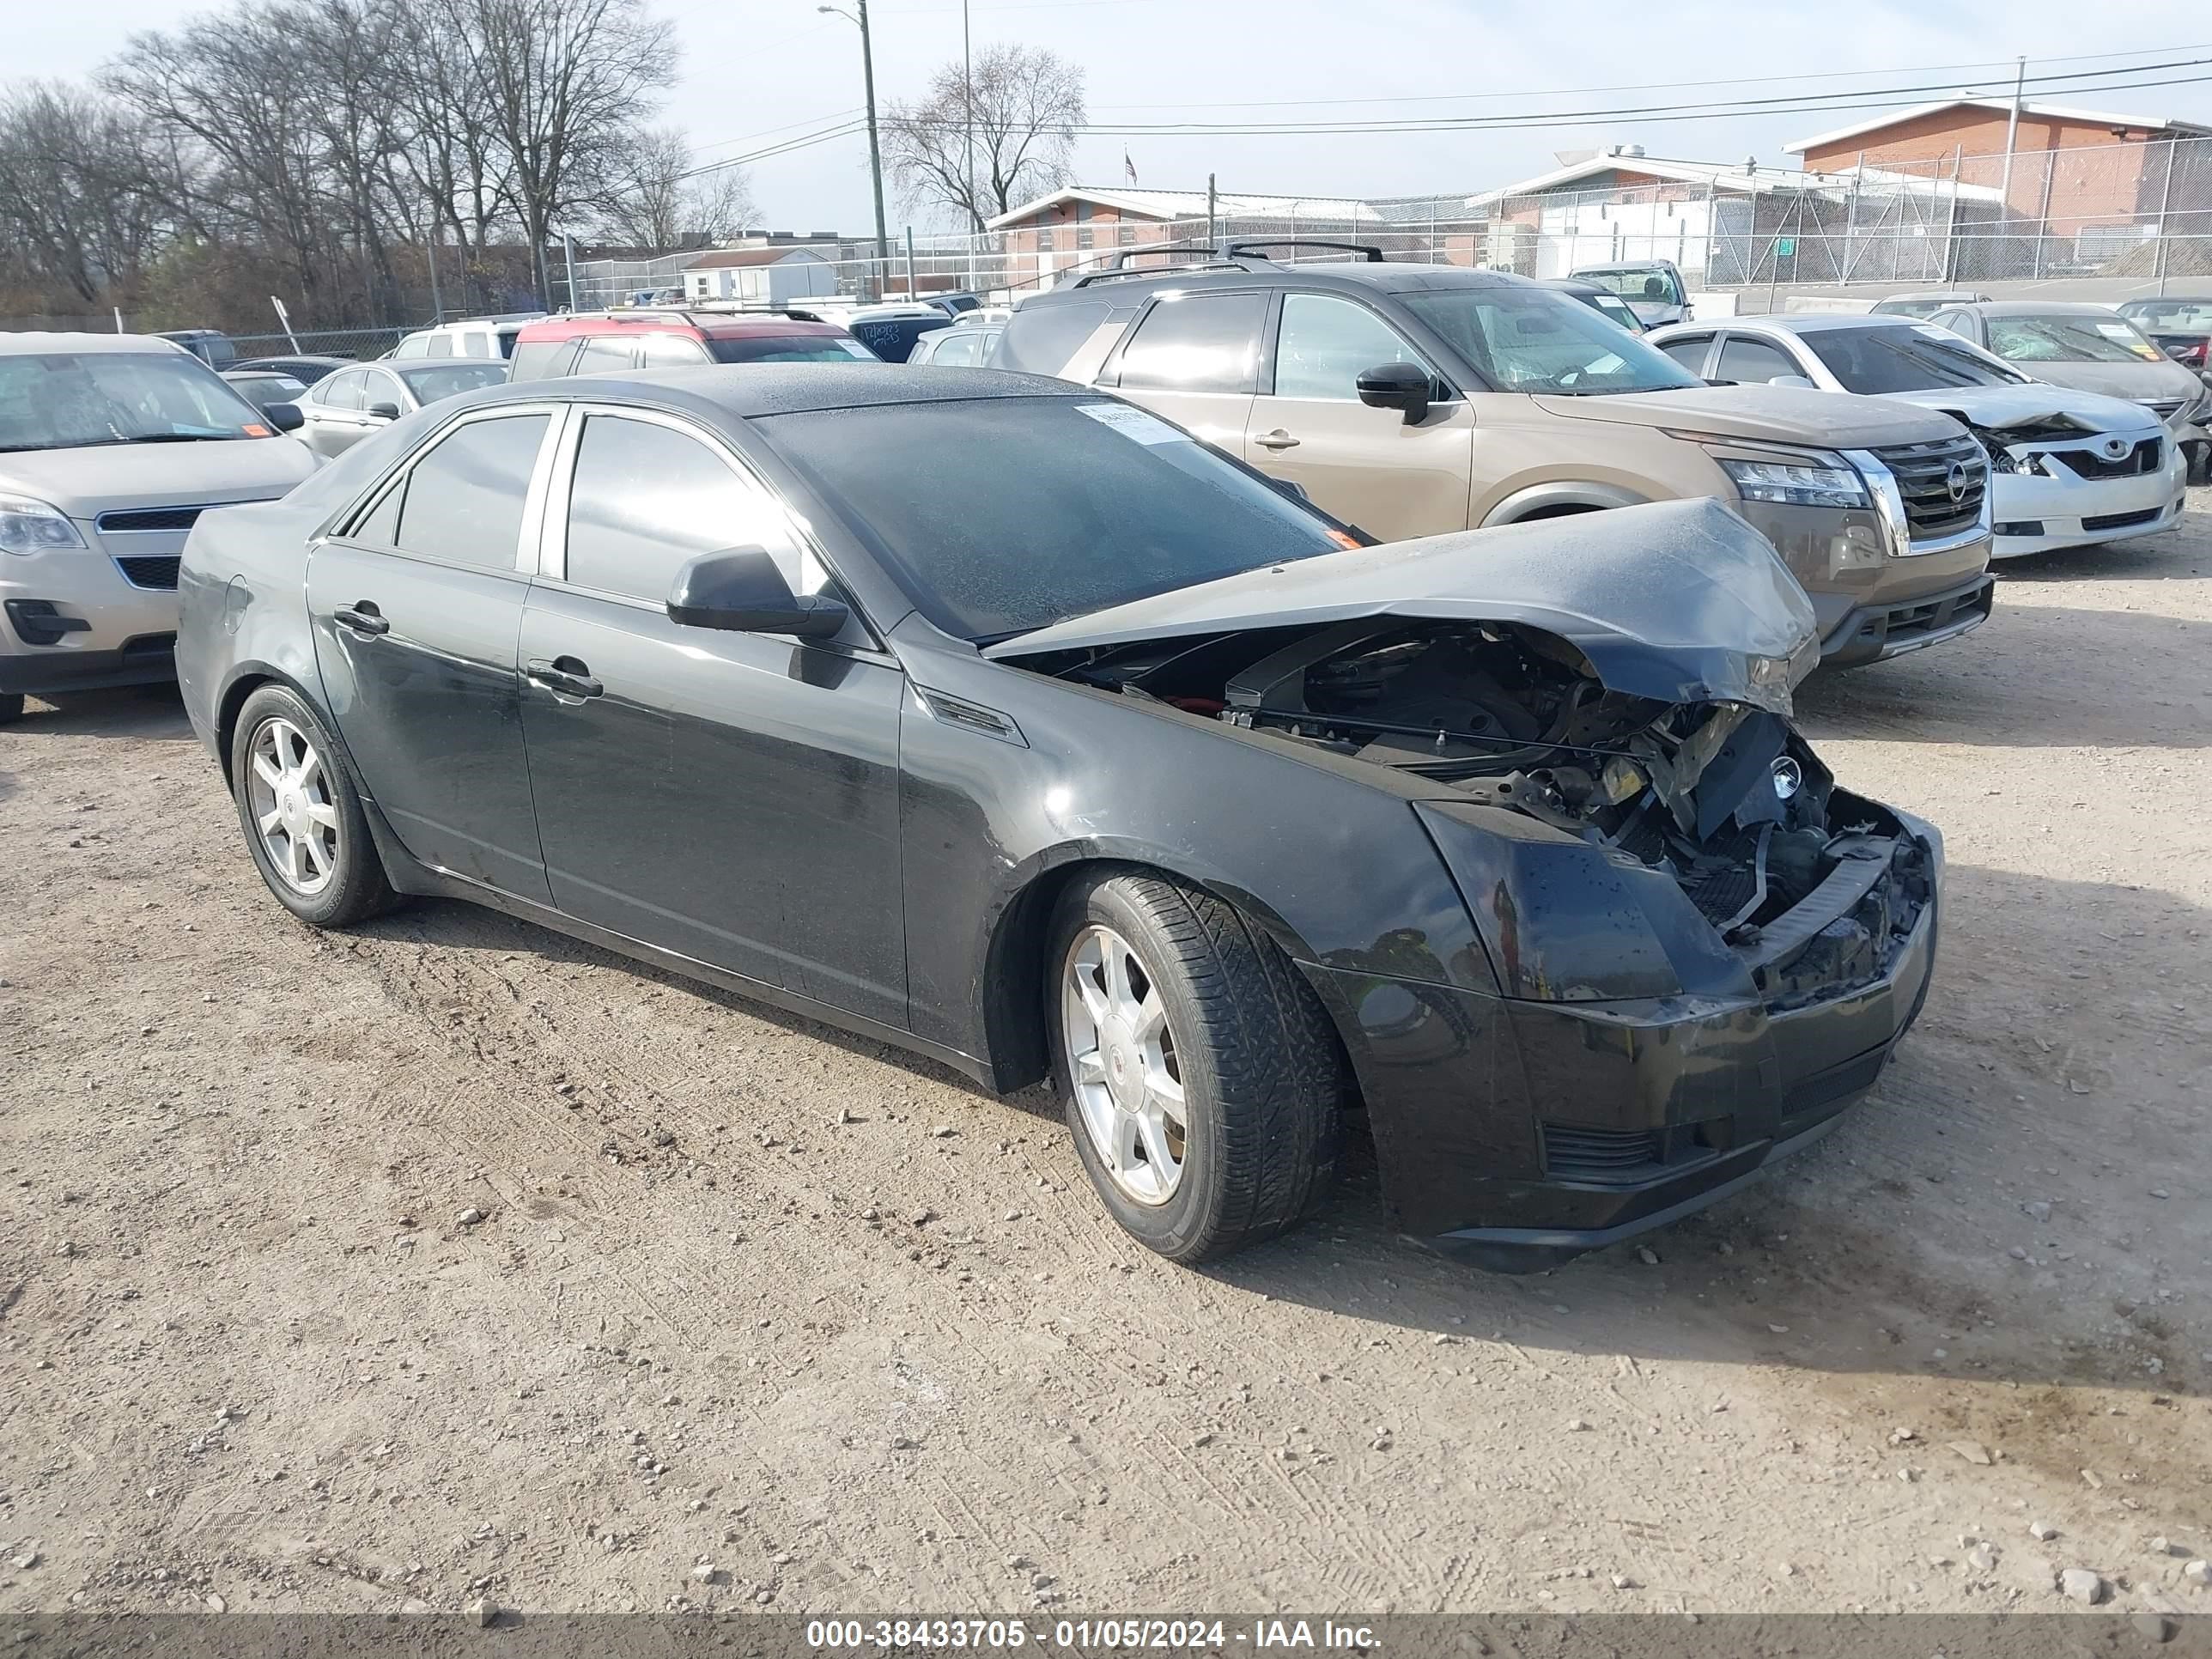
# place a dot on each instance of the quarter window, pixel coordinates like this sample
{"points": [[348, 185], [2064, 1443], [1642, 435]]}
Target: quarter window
{"points": [[1196, 343], [1752, 362], [465, 497], [1327, 343], [647, 500]]}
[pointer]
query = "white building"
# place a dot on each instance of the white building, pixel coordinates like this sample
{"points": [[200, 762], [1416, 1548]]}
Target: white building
{"points": [[764, 275]]}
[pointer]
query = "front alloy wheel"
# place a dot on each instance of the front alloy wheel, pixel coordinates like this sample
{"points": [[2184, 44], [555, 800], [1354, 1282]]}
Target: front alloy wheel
{"points": [[1128, 1080]]}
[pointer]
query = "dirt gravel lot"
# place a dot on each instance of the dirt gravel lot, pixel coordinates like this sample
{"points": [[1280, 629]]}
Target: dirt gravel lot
{"points": [[738, 1301]]}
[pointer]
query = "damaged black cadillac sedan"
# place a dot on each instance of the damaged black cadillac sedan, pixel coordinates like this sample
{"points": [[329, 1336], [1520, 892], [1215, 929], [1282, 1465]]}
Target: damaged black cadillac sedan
{"points": [[1002, 721]]}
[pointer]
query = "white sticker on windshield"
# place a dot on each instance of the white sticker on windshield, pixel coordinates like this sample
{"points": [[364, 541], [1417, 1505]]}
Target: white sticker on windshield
{"points": [[1133, 422], [2116, 330]]}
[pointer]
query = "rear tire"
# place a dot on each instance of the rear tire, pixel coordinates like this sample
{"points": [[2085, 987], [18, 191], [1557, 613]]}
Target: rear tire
{"points": [[302, 814], [1201, 1077]]}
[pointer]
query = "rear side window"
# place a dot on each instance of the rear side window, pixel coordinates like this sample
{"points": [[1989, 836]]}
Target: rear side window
{"points": [[1040, 339], [603, 352], [1690, 353], [670, 351], [1196, 343], [537, 360], [442, 345], [341, 391], [647, 500], [465, 497]]}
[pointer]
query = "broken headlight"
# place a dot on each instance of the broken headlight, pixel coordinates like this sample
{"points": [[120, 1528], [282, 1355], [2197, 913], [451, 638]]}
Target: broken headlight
{"points": [[1822, 479]]}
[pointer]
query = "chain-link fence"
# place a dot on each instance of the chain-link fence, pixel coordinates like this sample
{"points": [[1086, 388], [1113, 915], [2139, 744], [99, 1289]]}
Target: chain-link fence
{"points": [[358, 344], [2123, 217]]}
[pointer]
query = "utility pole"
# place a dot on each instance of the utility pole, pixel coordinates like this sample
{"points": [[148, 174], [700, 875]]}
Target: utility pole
{"points": [[875, 147], [1212, 198], [2012, 136], [968, 113]]}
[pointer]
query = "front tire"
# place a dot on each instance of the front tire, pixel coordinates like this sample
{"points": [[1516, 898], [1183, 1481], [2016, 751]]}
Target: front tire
{"points": [[303, 815], [1201, 1075]]}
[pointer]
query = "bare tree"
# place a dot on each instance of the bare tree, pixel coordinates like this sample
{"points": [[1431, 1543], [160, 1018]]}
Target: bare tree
{"points": [[1023, 107], [566, 81], [73, 205], [656, 195]]}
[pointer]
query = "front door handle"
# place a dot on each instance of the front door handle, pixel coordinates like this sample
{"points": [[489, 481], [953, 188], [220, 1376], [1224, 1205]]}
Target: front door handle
{"points": [[564, 676], [1278, 439], [362, 617]]}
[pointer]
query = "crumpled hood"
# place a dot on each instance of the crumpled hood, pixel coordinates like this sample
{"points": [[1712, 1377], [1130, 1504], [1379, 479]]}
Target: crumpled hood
{"points": [[2162, 380], [1777, 414], [1679, 601], [86, 482], [2004, 406]]}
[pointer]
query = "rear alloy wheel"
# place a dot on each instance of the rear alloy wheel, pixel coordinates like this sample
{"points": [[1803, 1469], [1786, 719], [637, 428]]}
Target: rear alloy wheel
{"points": [[1201, 1078], [302, 814]]}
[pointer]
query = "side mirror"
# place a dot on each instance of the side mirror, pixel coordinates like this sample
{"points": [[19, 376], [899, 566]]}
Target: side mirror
{"points": [[1792, 380], [740, 591], [1396, 386], [382, 412], [285, 418]]}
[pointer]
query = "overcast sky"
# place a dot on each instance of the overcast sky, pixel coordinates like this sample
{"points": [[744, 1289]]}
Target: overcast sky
{"points": [[757, 70]]}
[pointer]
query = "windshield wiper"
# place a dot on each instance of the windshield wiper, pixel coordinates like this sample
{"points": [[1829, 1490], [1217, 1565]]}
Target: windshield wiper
{"points": [[181, 438]]}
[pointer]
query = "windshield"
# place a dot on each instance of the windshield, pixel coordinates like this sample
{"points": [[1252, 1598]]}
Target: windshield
{"points": [[2170, 316], [64, 400], [1616, 310], [450, 380], [2064, 338], [1652, 284], [1873, 360], [789, 349], [997, 515], [1525, 339]]}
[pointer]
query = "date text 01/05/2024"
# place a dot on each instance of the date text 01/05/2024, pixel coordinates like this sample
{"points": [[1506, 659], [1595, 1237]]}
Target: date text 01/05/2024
{"points": [[1116, 1633]]}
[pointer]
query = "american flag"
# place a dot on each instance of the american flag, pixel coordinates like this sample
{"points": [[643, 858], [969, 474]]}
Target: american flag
{"points": [[1128, 167]]}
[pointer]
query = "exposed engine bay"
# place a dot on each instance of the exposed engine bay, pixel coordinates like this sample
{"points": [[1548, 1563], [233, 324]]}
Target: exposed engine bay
{"points": [[1726, 799], [2060, 445]]}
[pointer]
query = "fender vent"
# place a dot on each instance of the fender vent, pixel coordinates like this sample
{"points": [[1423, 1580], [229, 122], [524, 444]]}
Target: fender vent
{"points": [[973, 716]]}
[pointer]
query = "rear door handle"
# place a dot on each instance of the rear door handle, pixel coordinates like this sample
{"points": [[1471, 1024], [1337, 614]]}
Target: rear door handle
{"points": [[1278, 439], [564, 676], [362, 617]]}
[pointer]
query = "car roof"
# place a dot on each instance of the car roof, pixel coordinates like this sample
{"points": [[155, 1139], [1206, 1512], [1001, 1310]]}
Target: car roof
{"points": [[38, 342], [1390, 275], [1817, 322], [751, 390], [1573, 285], [297, 358], [669, 320]]}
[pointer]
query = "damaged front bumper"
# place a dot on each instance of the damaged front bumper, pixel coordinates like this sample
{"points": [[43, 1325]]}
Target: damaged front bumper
{"points": [[2036, 513], [1519, 1133]]}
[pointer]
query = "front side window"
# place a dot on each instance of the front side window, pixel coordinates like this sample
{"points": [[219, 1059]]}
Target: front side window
{"points": [[1326, 343], [1920, 358], [69, 400], [1690, 353], [997, 515], [464, 499], [2064, 338], [1196, 343], [537, 360], [382, 389], [1536, 340], [342, 391], [1753, 363], [647, 500]]}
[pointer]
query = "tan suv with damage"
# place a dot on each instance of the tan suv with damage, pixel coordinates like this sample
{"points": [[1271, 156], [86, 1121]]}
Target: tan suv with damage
{"points": [[1414, 400]]}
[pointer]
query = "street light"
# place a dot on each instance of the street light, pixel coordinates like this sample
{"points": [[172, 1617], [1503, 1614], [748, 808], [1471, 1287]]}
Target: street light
{"points": [[875, 150]]}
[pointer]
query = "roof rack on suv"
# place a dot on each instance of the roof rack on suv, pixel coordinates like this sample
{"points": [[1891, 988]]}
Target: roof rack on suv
{"points": [[1117, 268], [1373, 255]]}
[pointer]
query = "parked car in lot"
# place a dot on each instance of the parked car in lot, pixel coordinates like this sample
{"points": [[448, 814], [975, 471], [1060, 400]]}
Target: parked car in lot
{"points": [[676, 338], [263, 390], [111, 446], [1414, 399], [210, 345], [2095, 350], [343, 409], [998, 718], [2066, 468], [306, 368], [1653, 289], [888, 331], [2180, 326], [473, 337], [1926, 305], [964, 345], [1600, 298]]}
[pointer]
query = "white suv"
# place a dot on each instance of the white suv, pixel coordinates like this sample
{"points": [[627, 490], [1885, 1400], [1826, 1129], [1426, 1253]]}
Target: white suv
{"points": [[111, 446]]}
